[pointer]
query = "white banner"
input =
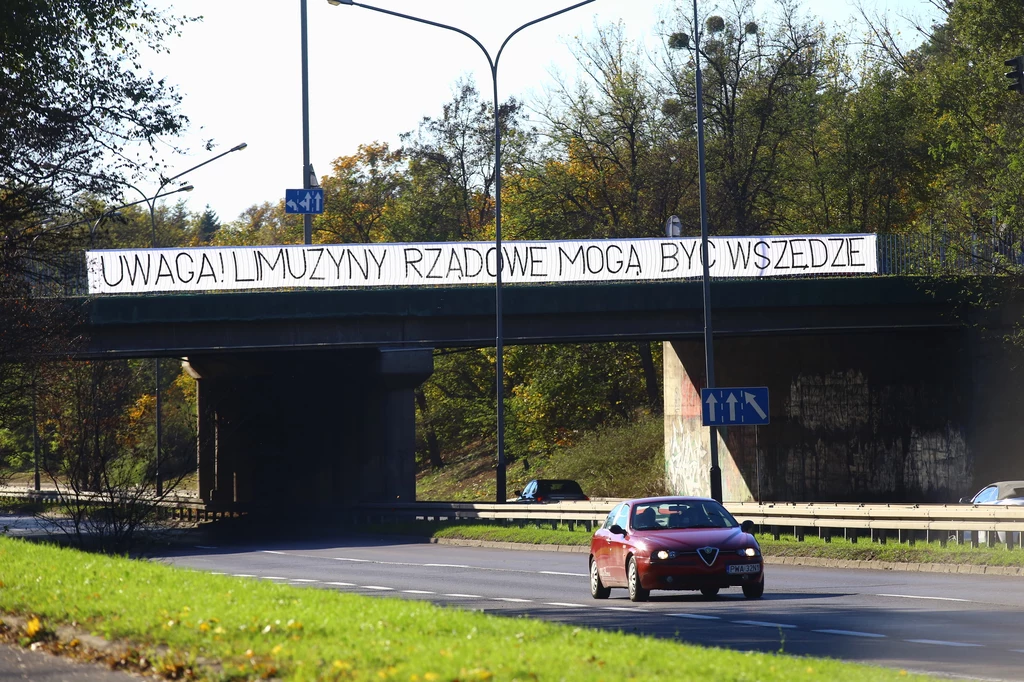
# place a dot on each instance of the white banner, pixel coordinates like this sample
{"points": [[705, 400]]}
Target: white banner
{"points": [[451, 263]]}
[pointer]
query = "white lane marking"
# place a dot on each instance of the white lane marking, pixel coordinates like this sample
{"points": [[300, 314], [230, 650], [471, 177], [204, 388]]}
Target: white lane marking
{"points": [[763, 624], [342, 584], [242, 575], [512, 599], [467, 596], [914, 596], [272, 577], [418, 592], [939, 642], [375, 587], [850, 633], [303, 580], [217, 573], [619, 608], [695, 616], [417, 565], [564, 603], [1017, 651]]}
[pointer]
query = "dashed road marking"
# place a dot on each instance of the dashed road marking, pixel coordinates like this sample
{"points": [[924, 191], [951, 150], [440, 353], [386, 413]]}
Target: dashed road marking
{"points": [[272, 577], [418, 592], [620, 608], [467, 596], [564, 603], [342, 584], [939, 642], [242, 575], [512, 599], [695, 616], [849, 633], [447, 565], [376, 587], [303, 580], [915, 596], [573, 575], [357, 561], [763, 624], [217, 573]]}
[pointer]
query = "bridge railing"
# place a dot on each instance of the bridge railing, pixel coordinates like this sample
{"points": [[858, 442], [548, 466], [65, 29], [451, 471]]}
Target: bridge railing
{"points": [[930, 253], [876, 522]]}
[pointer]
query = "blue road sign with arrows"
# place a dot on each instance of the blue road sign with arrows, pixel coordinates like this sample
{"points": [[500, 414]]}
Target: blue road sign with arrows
{"points": [[734, 406], [304, 200]]}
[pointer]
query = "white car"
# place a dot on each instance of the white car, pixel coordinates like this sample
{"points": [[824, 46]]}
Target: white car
{"points": [[1001, 492]]}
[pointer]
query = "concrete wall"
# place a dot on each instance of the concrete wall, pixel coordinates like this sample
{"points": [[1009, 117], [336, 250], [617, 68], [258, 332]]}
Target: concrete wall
{"points": [[308, 430], [909, 416]]}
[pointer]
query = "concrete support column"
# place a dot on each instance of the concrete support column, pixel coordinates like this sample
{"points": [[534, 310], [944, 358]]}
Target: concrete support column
{"points": [[687, 442], [206, 443]]}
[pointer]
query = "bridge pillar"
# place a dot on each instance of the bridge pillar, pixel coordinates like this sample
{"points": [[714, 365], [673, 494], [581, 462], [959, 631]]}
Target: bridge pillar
{"points": [[311, 430], [871, 416]]}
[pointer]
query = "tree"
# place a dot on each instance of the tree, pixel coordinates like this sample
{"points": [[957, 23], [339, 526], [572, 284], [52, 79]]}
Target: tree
{"points": [[359, 194], [207, 225]]}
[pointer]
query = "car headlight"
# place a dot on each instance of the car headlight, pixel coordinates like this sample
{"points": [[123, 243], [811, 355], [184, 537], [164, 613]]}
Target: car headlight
{"points": [[747, 551], [664, 554]]}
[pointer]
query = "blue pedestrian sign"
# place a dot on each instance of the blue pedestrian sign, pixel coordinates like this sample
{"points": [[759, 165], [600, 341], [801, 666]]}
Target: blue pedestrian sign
{"points": [[304, 200], [734, 406]]}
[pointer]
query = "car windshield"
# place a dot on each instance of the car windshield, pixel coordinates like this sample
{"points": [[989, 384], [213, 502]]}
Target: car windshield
{"points": [[559, 488], [675, 514]]}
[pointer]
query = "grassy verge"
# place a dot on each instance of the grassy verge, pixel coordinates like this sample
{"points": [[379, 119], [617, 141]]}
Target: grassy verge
{"points": [[838, 548], [185, 622]]}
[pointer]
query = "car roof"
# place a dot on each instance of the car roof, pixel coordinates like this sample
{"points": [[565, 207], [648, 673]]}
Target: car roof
{"points": [[1009, 488], [669, 498]]}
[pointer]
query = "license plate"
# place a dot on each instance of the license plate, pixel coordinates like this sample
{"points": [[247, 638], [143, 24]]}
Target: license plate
{"points": [[743, 568]]}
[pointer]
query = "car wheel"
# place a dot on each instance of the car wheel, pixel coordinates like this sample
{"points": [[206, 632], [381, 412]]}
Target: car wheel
{"points": [[753, 590], [636, 592], [709, 591], [597, 590]]}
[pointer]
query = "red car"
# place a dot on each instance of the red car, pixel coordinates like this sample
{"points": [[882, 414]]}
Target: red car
{"points": [[674, 543]]}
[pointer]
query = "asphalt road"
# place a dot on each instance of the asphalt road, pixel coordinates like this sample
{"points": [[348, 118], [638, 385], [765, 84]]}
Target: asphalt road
{"points": [[969, 626]]}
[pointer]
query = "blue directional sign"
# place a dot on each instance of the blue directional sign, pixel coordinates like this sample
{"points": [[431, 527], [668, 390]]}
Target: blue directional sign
{"points": [[734, 406], [304, 200]]}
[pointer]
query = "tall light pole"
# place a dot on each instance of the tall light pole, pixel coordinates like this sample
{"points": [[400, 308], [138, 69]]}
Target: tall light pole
{"points": [[499, 344], [678, 41], [151, 203], [307, 170]]}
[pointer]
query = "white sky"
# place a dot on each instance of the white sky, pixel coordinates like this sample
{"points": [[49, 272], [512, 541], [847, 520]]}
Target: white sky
{"points": [[371, 76]]}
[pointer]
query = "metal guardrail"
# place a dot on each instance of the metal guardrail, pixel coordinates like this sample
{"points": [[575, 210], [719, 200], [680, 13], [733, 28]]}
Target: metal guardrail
{"points": [[908, 522]]}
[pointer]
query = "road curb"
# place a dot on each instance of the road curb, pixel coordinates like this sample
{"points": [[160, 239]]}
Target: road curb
{"points": [[1016, 571]]}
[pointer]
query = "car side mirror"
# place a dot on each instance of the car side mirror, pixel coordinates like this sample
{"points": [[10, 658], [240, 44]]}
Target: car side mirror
{"points": [[747, 526], [617, 530]]}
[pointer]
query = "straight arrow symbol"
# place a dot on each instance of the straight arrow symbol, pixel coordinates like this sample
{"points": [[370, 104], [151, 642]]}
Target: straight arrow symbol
{"points": [[749, 398], [731, 400], [711, 406]]}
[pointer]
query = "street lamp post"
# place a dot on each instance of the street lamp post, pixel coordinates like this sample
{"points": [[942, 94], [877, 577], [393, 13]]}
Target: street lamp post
{"points": [[151, 203], [307, 171], [709, 348], [499, 345]]}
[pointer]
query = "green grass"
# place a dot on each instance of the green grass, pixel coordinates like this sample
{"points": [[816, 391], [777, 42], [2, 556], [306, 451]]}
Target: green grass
{"points": [[621, 461], [257, 629], [838, 548]]}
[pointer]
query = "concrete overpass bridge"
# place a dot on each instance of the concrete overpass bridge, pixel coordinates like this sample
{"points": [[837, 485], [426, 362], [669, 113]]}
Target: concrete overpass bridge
{"points": [[882, 387]]}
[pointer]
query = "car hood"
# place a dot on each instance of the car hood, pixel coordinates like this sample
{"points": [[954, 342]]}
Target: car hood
{"points": [[689, 539]]}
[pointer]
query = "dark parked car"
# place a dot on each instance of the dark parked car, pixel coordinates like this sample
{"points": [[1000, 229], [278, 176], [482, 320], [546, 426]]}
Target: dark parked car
{"points": [[550, 490], [674, 543]]}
